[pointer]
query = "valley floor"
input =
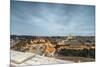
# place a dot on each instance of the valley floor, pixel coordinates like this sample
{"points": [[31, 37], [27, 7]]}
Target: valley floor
{"points": [[75, 59]]}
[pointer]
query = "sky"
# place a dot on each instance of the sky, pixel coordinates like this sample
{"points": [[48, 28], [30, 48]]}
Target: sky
{"points": [[51, 19]]}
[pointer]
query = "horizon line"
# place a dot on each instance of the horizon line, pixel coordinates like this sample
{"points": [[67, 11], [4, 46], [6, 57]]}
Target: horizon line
{"points": [[49, 35]]}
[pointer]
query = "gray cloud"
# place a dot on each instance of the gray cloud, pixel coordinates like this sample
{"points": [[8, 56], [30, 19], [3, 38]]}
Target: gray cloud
{"points": [[48, 19]]}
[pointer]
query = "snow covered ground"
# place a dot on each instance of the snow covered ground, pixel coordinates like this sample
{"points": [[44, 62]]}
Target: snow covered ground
{"points": [[29, 59]]}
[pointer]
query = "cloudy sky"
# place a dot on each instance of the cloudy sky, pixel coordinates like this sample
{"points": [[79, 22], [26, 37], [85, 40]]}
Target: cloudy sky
{"points": [[49, 19]]}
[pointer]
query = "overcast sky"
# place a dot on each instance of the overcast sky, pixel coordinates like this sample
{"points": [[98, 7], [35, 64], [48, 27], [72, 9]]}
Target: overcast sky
{"points": [[49, 19]]}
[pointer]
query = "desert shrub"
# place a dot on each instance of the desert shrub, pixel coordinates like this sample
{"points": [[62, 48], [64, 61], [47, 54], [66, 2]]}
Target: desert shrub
{"points": [[78, 53]]}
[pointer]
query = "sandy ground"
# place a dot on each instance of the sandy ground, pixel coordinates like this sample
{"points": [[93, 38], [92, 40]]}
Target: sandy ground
{"points": [[30, 59], [75, 59], [20, 59]]}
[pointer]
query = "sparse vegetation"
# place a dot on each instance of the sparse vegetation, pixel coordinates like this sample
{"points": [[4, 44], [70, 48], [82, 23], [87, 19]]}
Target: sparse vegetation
{"points": [[79, 46], [78, 53]]}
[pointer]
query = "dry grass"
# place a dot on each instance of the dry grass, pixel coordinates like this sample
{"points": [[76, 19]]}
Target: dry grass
{"points": [[75, 59]]}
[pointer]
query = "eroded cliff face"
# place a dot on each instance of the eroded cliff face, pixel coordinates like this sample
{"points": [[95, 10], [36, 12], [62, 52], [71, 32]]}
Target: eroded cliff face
{"points": [[74, 46], [38, 46]]}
